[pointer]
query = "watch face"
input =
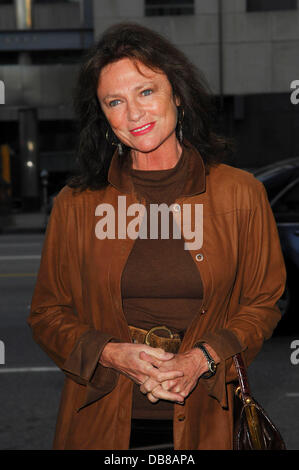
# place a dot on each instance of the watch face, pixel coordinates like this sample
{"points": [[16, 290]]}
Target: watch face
{"points": [[212, 366]]}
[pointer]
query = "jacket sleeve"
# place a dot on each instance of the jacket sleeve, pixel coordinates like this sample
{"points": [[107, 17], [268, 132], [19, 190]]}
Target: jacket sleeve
{"points": [[73, 345], [261, 275]]}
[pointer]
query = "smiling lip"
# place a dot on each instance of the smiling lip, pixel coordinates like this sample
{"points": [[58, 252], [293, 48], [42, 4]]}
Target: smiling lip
{"points": [[143, 129]]}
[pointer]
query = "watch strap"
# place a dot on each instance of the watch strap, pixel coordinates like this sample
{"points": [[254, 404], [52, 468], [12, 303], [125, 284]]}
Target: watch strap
{"points": [[211, 363]]}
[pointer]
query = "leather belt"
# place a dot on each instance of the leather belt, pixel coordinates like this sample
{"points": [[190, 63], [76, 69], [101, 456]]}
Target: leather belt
{"points": [[170, 344]]}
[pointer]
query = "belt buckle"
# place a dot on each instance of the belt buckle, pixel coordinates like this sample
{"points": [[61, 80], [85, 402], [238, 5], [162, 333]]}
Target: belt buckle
{"points": [[148, 334]]}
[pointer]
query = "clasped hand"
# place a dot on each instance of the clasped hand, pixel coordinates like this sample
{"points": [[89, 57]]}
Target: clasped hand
{"points": [[190, 363], [161, 375]]}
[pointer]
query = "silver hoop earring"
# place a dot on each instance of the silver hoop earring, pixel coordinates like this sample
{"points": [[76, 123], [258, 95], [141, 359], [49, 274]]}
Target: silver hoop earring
{"points": [[120, 148], [180, 130], [118, 145], [180, 133]]}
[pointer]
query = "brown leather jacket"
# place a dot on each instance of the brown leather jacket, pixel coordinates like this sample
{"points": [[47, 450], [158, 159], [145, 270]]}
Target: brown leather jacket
{"points": [[77, 307]]}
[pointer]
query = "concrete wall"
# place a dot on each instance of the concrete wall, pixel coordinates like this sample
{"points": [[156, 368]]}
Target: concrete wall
{"points": [[46, 87], [44, 16], [260, 50]]}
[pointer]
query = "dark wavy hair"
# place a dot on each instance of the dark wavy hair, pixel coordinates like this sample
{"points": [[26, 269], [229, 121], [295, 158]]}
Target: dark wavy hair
{"points": [[139, 43]]}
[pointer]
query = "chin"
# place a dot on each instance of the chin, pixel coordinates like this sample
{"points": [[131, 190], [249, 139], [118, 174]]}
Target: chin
{"points": [[147, 147]]}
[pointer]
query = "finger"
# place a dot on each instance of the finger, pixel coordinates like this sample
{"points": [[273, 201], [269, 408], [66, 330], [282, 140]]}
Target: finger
{"points": [[151, 398], [137, 377], [168, 375], [141, 379], [181, 387], [149, 369], [148, 386], [159, 353], [151, 359], [160, 393], [151, 383], [185, 389], [169, 384]]}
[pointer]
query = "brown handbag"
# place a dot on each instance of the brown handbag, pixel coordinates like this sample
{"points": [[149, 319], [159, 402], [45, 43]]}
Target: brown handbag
{"points": [[253, 429]]}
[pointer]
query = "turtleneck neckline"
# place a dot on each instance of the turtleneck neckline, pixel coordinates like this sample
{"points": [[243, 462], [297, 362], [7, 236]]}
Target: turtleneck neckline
{"points": [[161, 177]]}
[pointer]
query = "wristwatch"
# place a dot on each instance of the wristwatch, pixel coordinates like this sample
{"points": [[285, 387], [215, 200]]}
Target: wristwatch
{"points": [[211, 363]]}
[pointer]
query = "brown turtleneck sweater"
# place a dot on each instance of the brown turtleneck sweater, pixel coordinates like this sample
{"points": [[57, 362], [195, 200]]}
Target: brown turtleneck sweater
{"points": [[160, 283]]}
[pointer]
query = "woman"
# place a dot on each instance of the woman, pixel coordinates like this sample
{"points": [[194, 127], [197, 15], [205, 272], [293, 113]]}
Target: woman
{"points": [[145, 327]]}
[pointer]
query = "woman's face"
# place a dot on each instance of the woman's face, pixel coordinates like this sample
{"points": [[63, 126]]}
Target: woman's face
{"points": [[139, 105]]}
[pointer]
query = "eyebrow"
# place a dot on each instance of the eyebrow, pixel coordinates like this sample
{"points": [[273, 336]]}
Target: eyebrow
{"points": [[135, 89]]}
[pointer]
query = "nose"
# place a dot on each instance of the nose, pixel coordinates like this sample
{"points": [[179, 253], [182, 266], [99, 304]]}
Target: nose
{"points": [[135, 111]]}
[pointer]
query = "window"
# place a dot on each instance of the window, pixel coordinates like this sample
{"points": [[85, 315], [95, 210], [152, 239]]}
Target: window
{"points": [[169, 7], [271, 5], [55, 1], [286, 206]]}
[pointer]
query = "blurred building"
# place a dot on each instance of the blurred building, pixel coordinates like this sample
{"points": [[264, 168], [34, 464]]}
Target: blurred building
{"points": [[41, 44], [246, 49]]}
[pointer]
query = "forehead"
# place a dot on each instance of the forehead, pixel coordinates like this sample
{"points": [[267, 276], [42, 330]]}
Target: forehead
{"points": [[127, 72]]}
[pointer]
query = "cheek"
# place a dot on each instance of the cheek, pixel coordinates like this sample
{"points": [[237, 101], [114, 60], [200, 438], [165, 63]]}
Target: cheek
{"points": [[169, 109], [172, 113], [166, 110], [115, 119]]}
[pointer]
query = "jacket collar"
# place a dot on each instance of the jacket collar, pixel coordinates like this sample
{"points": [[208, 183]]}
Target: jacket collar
{"points": [[119, 174]]}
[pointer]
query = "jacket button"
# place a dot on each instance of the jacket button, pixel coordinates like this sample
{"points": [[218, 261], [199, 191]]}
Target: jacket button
{"points": [[203, 311], [199, 257], [181, 418], [176, 208]]}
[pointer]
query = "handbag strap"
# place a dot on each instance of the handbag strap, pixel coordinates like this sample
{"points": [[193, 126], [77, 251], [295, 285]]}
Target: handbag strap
{"points": [[242, 375]]}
